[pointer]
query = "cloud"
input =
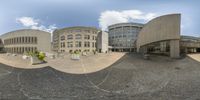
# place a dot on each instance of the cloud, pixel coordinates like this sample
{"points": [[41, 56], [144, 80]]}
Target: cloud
{"points": [[35, 24], [110, 17]]}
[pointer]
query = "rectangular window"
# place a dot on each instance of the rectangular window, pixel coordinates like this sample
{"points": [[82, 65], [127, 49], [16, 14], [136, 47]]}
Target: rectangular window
{"points": [[69, 36], [69, 44], [87, 37], [62, 38], [78, 44], [86, 44]]}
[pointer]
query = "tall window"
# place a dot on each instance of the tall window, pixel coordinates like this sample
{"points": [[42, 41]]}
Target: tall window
{"points": [[69, 44], [86, 44], [78, 36], [69, 36], [62, 44], [78, 44]]}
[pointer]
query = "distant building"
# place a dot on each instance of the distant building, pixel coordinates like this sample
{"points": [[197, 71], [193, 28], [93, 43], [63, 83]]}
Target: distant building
{"points": [[77, 38], [26, 40], [102, 42], [190, 44], [1, 46], [122, 36]]}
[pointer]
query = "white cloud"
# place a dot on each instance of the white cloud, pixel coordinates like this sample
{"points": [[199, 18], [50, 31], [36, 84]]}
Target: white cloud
{"points": [[112, 17], [34, 24], [27, 21]]}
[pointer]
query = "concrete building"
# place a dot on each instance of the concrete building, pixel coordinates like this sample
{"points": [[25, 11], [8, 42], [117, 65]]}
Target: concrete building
{"points": [[122, 36], [71, 39], [1, 46], [26, 40], [102, 42], [161, 34], [189, 44]]}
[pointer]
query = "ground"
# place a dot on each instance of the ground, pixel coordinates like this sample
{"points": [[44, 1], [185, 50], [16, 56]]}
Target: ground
{"points": [[129, 78], [91, 63]]}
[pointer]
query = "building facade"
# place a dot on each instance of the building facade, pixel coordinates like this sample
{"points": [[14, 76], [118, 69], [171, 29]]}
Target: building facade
{"points": [[162, 32], [78, 38], [122, 36], [102, 42], [1, 46], [26, 40], [189, 44]]}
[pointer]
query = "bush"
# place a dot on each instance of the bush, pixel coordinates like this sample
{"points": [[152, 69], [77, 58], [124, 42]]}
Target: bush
{"points": [[39, 55]]}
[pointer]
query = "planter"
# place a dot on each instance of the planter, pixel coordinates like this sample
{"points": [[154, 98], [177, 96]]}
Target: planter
{"points": [[84, 54], [35, 60], [25, 57], [75, 56]]}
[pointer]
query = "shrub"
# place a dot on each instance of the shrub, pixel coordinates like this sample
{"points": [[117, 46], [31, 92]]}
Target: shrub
{"points": [[39, 55]]}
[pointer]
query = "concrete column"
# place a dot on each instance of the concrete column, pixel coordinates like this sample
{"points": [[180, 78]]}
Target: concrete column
{"points": [[174, 49]]}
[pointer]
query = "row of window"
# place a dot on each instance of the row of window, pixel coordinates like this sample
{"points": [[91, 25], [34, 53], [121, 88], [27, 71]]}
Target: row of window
{"points": [[86, 31], [78, 44], [123, 45], [21, 40], [21, 49], [86, 50], [78, 36], [122, 36]]}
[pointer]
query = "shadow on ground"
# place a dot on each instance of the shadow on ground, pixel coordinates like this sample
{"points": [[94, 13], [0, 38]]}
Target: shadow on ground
{"points": [[130, 78]]}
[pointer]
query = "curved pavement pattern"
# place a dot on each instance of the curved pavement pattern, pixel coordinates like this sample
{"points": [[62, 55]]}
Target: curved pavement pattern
{"points": [[130, 78], [64, 63]]}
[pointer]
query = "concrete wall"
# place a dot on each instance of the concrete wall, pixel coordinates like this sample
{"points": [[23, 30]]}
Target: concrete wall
{"points": [[162, 28], [102, 42], [43, 39]]}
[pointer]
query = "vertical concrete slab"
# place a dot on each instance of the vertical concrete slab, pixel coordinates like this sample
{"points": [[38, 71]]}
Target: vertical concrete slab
{"points": [[174, 49]]}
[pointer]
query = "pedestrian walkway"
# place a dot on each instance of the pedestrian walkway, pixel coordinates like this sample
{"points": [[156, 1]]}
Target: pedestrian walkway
{"points": [[195, 57], [86, 64]]}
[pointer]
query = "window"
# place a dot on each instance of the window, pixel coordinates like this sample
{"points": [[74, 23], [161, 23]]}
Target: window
{"points": [[78, 36], [62, 38], [86, 44], [69, 44], [87, 37], [62, 44], [93, 44], [93, 37], [69, 36], [78, 44]]}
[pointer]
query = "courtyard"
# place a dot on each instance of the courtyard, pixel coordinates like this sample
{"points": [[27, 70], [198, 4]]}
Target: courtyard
{"points": [[129, 77]]}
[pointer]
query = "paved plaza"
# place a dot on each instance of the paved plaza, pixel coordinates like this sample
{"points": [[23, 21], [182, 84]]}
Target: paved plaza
{"points": [[86, 64], [129, 78]]}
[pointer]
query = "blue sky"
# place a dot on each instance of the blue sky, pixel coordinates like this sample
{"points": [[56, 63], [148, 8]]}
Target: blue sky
{"points": [[50, 14]]}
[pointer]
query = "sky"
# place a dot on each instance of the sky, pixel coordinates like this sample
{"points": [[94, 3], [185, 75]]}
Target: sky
{"points": [[49, 15]]}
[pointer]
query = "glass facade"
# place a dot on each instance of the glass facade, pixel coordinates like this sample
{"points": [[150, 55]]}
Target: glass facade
{"points": [[122, 37]]}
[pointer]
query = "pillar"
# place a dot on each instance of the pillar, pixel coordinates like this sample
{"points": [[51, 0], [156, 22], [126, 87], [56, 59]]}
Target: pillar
{"points": [[174, 49]]}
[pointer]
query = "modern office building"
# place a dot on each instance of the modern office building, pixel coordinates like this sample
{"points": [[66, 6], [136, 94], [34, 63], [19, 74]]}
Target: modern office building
{"points": [[21, 41], [78, 38], [102, 42], [189, 44], [162, 34], [122, 36]]}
